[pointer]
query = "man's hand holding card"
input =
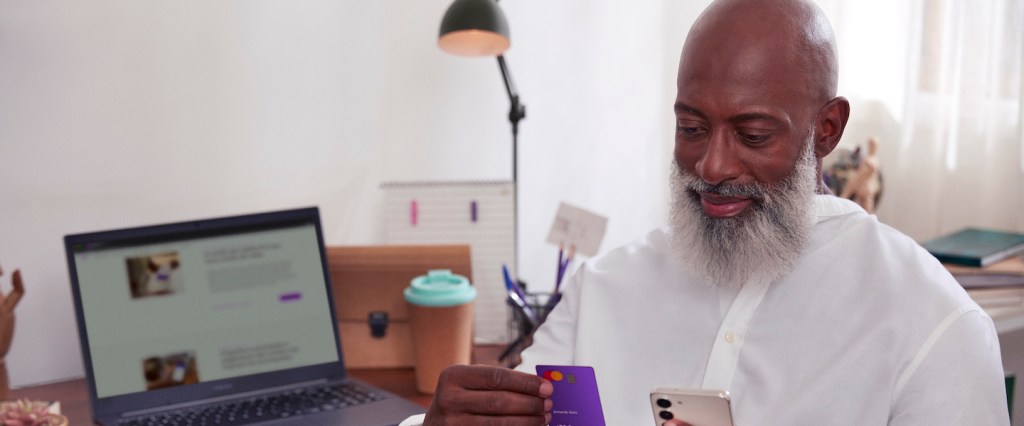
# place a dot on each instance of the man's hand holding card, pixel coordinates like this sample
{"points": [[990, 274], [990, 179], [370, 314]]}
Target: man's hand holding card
{"points": [[476, 394]]}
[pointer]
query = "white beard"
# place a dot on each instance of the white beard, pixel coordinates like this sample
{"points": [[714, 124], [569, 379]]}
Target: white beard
{"points": [[762, 243]]}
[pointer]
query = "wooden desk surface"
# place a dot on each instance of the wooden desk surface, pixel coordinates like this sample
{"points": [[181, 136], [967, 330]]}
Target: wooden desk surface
{"points": [[74, 396]]}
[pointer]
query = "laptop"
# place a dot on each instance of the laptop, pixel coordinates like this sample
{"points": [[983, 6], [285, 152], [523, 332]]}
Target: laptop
{"points": [[223, 321]]}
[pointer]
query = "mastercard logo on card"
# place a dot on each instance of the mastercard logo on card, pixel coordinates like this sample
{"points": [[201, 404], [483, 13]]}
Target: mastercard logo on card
{"points": [[558, 376]]}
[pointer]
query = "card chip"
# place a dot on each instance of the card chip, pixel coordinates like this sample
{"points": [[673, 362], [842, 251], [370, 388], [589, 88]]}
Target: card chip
{"points": [[571, 378]]}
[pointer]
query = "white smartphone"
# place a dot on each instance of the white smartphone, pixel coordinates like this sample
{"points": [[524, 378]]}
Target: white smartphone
{"points": [[698, 407]]}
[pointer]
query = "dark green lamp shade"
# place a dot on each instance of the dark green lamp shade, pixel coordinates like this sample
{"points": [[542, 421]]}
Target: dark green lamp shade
{"points": [[474, 28]]}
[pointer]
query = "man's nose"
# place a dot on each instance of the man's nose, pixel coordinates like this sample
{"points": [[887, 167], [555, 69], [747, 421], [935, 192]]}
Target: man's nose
{"points": [[719, 162]]}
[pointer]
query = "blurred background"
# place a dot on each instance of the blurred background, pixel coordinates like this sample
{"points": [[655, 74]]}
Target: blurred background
{"points": [[124, 113]]}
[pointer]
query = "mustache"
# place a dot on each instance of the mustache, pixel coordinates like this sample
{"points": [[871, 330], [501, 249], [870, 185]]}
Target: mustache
{"points": [[754, 191]]}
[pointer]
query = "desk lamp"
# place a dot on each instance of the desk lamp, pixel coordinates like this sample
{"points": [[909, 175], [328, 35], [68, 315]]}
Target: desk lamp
{"points": [[479, 28]]}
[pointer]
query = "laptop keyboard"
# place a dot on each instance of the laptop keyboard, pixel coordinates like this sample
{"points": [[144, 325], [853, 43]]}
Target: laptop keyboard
{"points": [[264, 407]]}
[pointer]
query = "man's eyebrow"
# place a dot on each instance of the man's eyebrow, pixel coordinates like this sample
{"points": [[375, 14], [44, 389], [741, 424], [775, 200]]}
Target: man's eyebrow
{"points": [[681, 107], [754, 116]]}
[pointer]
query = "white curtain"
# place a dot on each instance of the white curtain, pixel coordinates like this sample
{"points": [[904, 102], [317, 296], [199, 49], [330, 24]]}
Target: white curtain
{"points": [[939, 81], [963, 113]]}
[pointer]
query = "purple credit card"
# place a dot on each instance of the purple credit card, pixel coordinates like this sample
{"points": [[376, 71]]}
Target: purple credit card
{"points": [[576, 401]]}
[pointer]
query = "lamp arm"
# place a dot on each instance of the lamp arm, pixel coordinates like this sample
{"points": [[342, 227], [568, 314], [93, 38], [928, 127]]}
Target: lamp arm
{"points": [[517, 111]]}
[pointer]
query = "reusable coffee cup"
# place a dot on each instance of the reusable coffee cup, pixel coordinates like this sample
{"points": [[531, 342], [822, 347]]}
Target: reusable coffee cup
{"points": [[441, 319]]}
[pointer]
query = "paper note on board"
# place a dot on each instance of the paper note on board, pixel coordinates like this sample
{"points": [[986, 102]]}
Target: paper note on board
{"points": [[574, 226]]}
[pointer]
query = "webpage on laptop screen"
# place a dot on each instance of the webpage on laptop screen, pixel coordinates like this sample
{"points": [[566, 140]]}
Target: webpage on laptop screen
{"points": [[183, 312]]}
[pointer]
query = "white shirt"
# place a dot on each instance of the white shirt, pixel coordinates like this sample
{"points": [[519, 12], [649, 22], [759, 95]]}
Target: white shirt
{"points": [[868, 329]]}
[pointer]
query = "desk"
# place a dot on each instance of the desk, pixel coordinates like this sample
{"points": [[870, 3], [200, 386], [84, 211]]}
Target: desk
{"points": [[74, 395], [1006, 307]]}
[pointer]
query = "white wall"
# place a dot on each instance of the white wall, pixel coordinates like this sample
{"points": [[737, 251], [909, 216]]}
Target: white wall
{"points": [[120, 113]]}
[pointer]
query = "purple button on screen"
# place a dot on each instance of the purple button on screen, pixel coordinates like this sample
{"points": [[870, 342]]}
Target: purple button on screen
{"points": [[290, 297]]}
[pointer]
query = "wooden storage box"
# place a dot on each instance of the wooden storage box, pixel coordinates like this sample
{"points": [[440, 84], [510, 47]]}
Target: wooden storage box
{"points": [[370, 280]]}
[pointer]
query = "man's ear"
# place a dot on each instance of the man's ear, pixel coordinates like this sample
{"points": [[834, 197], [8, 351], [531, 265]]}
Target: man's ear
{"points": [[831, 122]]}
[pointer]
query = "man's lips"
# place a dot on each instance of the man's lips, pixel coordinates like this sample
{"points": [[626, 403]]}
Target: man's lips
{"points": [[722, 206]]}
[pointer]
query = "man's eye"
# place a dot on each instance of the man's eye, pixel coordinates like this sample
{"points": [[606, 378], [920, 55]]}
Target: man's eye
{"points": [[689, 131], [754, 139]]}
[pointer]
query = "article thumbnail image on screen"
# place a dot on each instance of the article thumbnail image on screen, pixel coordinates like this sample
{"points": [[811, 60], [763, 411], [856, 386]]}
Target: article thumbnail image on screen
{"points": [[154, 275], [170, 370]]}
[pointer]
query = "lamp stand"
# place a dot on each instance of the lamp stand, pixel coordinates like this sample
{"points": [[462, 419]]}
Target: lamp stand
{"points": [[516, 112]]}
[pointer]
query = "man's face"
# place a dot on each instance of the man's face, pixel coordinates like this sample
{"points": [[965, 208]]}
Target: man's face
{"points": [[745, 165], [741, 118]]}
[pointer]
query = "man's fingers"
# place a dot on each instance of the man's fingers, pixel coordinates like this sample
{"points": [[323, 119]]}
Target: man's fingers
{"points": [[482, 377], [502, 403], [486, 395], [454, 396]]}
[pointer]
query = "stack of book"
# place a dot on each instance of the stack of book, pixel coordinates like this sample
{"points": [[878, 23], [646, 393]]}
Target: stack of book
{"points": [[976, 247], [986, 262]]}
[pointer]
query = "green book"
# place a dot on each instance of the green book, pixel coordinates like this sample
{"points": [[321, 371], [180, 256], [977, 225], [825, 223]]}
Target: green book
{"points": [[975, 247]]}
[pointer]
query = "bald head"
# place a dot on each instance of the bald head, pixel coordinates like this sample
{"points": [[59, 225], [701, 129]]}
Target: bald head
{"points": [[756, 110], [776, 40], [756, 86]]}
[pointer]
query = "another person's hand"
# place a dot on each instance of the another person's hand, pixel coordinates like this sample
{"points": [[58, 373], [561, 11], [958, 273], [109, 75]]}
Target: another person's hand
{"points": [[477, 394]]}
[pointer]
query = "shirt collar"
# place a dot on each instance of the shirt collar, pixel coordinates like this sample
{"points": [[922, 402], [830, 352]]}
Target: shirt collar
{"points": [[827, 206]]}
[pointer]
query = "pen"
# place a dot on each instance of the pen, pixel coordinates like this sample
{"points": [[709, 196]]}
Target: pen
{"points": [[518, 297], [513, 284], [558, 274], [552, 301], [564, 266]]}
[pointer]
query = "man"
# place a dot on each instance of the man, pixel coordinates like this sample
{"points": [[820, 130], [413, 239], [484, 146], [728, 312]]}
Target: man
{"points": [[806, 309]]}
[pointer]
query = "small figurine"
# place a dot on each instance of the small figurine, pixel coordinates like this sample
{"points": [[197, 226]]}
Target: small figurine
{"points": [[7, 304], [864, 186], [855, 175]]}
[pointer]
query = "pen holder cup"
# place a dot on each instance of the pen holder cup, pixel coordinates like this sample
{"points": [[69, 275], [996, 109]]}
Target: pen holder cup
{"points": [[521, 326]]}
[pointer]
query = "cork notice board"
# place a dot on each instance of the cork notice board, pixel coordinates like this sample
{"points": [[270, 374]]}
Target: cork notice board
{"points": [[371, 279]]}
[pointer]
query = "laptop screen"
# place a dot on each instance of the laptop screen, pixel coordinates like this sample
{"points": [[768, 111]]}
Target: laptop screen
{"points": [[184, 304]]}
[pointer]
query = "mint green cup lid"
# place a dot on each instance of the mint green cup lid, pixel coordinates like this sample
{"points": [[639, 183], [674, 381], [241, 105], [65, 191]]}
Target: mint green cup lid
{"points": [[440, 288]]}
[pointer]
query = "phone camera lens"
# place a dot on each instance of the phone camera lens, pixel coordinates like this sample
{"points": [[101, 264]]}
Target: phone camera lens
{"points": [[667, 415], [664, 403]]}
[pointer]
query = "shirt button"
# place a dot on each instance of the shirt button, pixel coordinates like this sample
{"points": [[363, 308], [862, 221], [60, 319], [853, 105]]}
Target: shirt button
{"points": [[730, 337]]}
